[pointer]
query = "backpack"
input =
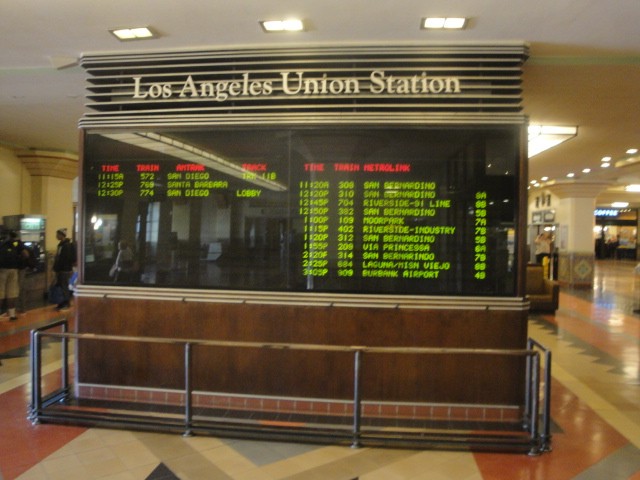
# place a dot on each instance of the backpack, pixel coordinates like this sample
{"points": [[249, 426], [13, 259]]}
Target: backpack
{"points": [[10, 254]]}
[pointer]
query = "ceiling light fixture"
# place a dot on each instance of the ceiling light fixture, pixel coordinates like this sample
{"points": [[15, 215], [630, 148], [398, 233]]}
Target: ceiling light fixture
{"points": [[632, 159], [634, 187], [136, 33], [290, 25], [544, 137], [443, 23], [620, 204]]}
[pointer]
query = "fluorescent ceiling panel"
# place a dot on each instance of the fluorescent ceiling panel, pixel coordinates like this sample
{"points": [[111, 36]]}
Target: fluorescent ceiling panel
{"points": [[543, 137], [135, 33], [289, 25]]}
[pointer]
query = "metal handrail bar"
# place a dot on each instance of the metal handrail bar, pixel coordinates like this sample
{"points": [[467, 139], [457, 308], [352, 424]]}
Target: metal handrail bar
{"points": [[532, 356], [296, 346]]}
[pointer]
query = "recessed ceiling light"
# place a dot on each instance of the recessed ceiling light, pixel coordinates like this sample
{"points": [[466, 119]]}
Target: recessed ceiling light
{"points": [[632, 151], [289, 25], [136, 33], [605, 165], [586, 170], [544, 179], [634, 187], [449, 23], [571, 175], [606, 159], [620, 204]]}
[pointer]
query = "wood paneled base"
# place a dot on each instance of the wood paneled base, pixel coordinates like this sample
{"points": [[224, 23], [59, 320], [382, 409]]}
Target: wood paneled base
{"points": [[285, 372]]}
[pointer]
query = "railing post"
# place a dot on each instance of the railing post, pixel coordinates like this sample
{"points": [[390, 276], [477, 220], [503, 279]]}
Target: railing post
{"points": [[32, 365], [36, 377], [527, 394], [535, 394], [546, 408], [187, 391], [357, 364], [65, 360], [545, 435]]}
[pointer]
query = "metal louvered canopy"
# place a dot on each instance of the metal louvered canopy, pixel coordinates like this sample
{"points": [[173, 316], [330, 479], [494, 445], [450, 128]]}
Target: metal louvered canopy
{"points": [[444, 84]]}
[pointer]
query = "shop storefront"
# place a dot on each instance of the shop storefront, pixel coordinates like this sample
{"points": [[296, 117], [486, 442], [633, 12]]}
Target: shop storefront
{"points": [[615, 233]]}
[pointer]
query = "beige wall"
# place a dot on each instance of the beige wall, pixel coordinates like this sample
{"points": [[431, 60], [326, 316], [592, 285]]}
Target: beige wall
{"points": [[23, 193], [15, 185], [56, 204]]}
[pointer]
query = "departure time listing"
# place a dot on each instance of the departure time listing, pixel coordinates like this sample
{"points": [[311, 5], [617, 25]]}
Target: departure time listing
{"points": [[395, 229], [148, 180]]}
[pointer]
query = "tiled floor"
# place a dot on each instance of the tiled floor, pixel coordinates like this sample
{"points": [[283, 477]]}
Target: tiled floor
{"points": [[595, 340]]}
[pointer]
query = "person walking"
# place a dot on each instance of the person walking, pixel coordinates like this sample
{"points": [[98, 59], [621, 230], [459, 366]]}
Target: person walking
{"points": [[63, 265]]}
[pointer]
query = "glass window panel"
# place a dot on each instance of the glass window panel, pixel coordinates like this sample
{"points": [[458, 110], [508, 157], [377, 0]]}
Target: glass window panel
{"points": [[374, 210]]}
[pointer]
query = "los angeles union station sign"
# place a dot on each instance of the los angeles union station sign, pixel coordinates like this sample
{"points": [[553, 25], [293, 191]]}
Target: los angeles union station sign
{"points": [[297, 83]]}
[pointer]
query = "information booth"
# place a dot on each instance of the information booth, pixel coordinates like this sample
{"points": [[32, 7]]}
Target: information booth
{"points": [[331, 196]]}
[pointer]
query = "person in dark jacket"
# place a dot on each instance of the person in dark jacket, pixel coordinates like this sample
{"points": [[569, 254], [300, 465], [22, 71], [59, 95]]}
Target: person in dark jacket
{"points": [[12, 254], [63, 267]]}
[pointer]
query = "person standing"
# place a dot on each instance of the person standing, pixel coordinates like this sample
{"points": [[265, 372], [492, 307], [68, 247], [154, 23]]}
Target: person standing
{"points": [[543, 246], [124, 267], [27, 264], [12, 255], [63, 265]]}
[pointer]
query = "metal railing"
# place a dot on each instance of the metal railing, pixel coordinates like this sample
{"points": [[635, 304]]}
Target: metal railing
{"points": [[38, 400], [533, 381], [534, 436]]}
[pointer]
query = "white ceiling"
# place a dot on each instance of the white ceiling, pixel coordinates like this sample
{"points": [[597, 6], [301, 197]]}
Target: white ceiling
{"points": [[584, 67]]}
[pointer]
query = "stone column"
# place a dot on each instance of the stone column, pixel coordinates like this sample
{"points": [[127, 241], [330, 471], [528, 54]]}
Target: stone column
{"points": [[574, 240]]}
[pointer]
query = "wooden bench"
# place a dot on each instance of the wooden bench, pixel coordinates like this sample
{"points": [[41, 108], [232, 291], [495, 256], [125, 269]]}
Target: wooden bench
{"points": [[543, 293]]}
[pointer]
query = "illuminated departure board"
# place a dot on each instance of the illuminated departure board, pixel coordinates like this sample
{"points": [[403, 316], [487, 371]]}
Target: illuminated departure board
{"points": [[403, 211], [185, 180]]}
